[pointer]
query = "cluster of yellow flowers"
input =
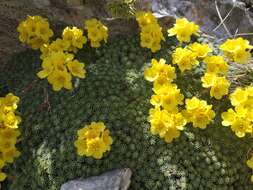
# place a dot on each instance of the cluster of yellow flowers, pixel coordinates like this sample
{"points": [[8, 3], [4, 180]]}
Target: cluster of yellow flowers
{"points": [[215, 76], [183, 30], [93, 140], [184, 58], [8, 131], [72, 40], [151, 32], [58, 64], [241, 117], [35, 31], [165, 118], [189, 56], [198, 112], [58, 68], [237, 50], [250, 165], [97, 32]]}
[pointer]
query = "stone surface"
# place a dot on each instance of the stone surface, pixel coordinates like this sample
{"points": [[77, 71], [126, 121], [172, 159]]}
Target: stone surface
{"points": [[240, 20], [114, 180]]}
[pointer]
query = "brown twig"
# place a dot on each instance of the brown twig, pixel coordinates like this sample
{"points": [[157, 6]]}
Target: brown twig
{"points": [[29, 87], [221, 19], [46, 103]]}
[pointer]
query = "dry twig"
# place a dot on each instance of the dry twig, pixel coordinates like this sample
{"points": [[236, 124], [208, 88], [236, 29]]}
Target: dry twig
{"points": [[221, 19]]}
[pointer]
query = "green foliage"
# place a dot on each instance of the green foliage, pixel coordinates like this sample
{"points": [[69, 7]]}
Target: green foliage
{"points": [[116, 93]]}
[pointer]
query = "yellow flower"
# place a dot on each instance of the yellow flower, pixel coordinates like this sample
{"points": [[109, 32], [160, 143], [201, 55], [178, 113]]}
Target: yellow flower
{"points": [[23, 32], [220, 88], [58, 67], [76, 68], [43, 30], [11, 120], [198, 112], [45, 51], [34, 31], [81, 146], [232, 45], [95, 44], [6, 144], [158, 119], [238, 97], [151, 32], [74, 36], [47, 68], [216, 65], [237, 49], [151, 37], [179, 121], [10, 154], [241, 56], [9, 133], [99, 127], [107, 139], [60, 60], [159, 70], [95, 147], [2, 176], [97, 32], [59, 45], [155, 47], [9, 102], [156, 100], [145, 18], [55, 61], [93, 140], [208, 80], [94, 34], [241, 126], [35, 42], [228, 117], [169, 97], [219, 85], [239, 122], [2, 163], [78, 39], [184, 58], [171, 133], [183, 29], [60, 79], [201, 50], [146, 40], [166, 125]]}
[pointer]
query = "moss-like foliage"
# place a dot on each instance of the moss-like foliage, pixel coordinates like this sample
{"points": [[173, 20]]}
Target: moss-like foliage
{"points": [[116, 93]]}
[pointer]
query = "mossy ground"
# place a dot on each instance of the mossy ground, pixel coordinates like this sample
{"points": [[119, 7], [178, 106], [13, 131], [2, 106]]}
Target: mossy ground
{"points": [[116, 93]]}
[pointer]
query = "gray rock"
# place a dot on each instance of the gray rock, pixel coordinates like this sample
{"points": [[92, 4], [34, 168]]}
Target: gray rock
{"points": [[118, 179], [240, 20]]}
